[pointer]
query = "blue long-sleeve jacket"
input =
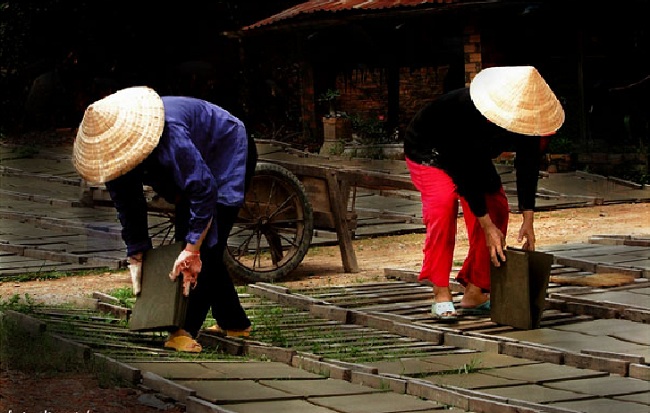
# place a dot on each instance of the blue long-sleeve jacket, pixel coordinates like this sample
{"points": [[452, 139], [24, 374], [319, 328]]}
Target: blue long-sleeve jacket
{"points": [[200, 159]]}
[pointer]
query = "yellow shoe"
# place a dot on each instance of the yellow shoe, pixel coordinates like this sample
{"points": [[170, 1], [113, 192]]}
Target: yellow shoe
{"points": [[181, 340], [230, 333]]}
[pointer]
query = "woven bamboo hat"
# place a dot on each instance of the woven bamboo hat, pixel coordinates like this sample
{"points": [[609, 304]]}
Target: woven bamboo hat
{"points": [[518, 99], [117, 133]]}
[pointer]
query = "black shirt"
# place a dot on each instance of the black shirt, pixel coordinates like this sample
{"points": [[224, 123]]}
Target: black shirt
{"points": [[451, 134]]}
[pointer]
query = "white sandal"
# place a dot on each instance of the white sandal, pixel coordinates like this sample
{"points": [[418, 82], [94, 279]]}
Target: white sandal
{"points": [[444, 311]]}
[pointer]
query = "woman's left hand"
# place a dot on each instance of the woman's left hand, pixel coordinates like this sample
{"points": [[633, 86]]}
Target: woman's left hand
{"points": [[527, 232]]}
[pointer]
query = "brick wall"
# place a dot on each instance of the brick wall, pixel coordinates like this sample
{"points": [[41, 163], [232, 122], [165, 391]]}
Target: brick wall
{"points": [[364, 92]]}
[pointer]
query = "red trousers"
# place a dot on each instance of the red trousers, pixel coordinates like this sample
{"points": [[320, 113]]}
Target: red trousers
{"points": [[439, 213]]}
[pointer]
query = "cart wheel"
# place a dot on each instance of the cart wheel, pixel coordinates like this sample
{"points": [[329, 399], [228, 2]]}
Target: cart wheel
{"points": [[274, 227]]}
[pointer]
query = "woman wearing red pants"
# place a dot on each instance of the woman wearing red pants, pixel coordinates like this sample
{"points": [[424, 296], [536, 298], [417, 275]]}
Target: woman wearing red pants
{"points": [[449, 146]]}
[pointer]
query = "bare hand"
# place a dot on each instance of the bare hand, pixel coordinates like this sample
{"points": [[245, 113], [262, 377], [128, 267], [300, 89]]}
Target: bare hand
{"points": [[135, 268], [527, 232], [496, 242], [189, 264]]}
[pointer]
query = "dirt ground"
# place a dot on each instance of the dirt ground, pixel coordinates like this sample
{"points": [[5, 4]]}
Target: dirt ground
{"points": [[321, 266]]}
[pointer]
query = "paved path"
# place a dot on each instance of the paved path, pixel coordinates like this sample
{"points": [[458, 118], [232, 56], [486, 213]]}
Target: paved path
{"points": [[374, 347], [359, 348]]}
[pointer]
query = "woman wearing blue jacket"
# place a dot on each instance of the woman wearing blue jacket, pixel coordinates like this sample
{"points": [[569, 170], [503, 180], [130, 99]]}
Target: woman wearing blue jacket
{"points": [[195, 155]]}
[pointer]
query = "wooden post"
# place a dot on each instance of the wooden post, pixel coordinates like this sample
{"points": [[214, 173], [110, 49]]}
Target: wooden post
{"points": [[339, 209]]}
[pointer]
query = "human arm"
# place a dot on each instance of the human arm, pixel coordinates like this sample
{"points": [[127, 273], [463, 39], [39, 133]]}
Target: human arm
{"points": [[527, 172], [128, 198]]}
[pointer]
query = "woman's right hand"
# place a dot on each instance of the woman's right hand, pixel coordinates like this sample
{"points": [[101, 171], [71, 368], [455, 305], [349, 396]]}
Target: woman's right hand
{"points": [[494, 239], [188, 263]]}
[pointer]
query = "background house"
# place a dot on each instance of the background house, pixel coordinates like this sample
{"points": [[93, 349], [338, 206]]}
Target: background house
{"points": [[388, 57], [272, 63]]}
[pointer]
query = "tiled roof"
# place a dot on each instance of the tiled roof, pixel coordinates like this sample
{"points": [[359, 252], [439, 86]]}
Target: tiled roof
{"points": [[323, 7]]}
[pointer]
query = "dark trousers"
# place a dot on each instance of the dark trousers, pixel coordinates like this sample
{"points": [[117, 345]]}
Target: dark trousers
{"points": [[215, 289]]}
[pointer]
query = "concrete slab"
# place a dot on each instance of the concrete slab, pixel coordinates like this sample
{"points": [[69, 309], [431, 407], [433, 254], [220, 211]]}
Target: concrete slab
{"points": [[376, 403], [181, 370], [540, 335], [259, 370], [559, 248], [471, 381], [234, 391], [624, 330], [543, 372], [535, 393], [408, 367], [478, 360], [602, 406], [636, 398], [311, 388], [577, 341], [604, 327], [603, 386], [619, 297]]}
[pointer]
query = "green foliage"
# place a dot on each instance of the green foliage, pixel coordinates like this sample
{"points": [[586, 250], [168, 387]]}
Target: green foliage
{"points": [[472, 367], [16, 303], [369, 130], [330, 97], [124, 295]]}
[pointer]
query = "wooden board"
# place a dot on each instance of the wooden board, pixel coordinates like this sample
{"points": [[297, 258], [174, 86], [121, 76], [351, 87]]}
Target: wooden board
{"points": [[518, 288], [161, 305]]}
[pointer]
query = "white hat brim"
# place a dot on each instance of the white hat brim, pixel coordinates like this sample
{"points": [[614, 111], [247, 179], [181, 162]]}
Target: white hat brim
{"points": [[518, 99]]}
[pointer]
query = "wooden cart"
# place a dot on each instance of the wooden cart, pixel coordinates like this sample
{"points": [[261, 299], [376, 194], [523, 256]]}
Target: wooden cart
{"points": [[292, 194]]}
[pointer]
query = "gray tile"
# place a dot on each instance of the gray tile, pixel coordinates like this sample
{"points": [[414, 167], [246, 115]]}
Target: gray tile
{"points": [[260, 370], [535, 393], [603, 327], [603, 406], [619, 297], [234, 391], [290, 406], [325, 387], [180, 370], [543, 372], [408, 367], [375, 403], [636, 398], [603, 386], [478, 360], [472, 381]]}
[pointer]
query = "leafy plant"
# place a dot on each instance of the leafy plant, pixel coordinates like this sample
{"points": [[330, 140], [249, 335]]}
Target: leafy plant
{"points": [[330, 97], [369, 130]]}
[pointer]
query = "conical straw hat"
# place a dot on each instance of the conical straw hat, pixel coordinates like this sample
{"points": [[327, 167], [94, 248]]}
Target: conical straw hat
{"points": [[518, 99], [117, 133]]}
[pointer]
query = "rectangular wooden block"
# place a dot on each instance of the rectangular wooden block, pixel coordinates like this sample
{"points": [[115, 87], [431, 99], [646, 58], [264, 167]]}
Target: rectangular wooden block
{"points": [[518, 288], [161, 304]]}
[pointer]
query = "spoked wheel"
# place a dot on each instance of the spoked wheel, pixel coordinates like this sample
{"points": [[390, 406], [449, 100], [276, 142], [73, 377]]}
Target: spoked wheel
{"points": [[274, 228]]}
